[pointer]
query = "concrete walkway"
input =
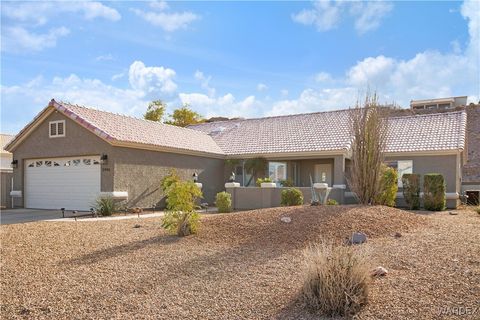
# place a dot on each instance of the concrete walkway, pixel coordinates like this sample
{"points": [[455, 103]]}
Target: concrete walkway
{"points": [[125, 217], [11, 216]]}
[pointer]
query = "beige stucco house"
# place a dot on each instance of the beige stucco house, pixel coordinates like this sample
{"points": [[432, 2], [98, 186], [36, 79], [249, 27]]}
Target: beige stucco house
{"points": [[69, 155]]}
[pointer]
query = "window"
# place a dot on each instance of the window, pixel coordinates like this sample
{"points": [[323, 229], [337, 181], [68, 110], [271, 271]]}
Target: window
{"points": [[87, 162], [38, 163], [76, 162], [402, 167], [57, 129], [48, 163], [277, 171]]}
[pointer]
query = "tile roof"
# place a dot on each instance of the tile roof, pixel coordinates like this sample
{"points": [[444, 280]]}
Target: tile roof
{"points": [[312, 132], [322, 131], [116, 127], [329, 131], [4, 140], [429, 132]]}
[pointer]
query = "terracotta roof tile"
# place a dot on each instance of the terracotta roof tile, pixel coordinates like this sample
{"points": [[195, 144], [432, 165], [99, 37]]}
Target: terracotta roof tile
{"points": [[111, 126], [328, 131]]}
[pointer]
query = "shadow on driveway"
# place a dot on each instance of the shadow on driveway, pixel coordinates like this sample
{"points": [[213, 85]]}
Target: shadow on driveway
{"points": [[12, 216]]}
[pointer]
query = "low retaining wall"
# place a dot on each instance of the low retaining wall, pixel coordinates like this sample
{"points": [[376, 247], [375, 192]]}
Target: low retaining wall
{"points": [[244, 198]]}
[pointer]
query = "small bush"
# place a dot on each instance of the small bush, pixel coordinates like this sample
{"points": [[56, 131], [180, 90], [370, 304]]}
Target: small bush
{"points": [[287, 183], [261, 180], [169, 180], [332, 202], [411, 190], [291, 197], [181, 217], [434, 197], [105, 206], [335, 279], [224, 202], [477, 209], [388, 187]]}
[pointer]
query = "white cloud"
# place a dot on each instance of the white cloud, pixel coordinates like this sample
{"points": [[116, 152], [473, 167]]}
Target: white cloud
{"points": [[168, 21], [205, 82], [18, 39], [284, 93], [22, 17], [226, 105], [369, 14], [105, 57], [117, 76], [323, 77], [29, 98], [151, 81], [159, 5], [327, 15], [262, 87], [40, 12]]}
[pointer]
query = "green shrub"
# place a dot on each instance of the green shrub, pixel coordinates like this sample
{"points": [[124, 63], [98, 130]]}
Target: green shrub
{"points": [[388, 187], [332, 202], [169, 180], [477, 209], [291, 197], [224, 202], [336, 279], [287, 183], [434, 198], [261, 180], [411, 190], [181, 217], [105, 206]]}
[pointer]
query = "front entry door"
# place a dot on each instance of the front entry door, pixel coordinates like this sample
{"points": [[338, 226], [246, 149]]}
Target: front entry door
{"points": [[323, 173]]}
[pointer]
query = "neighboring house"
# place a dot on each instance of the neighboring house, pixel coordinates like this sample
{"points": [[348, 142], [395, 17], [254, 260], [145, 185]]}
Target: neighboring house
{"points": [[439, 104], [6, 172], [68, 155]]}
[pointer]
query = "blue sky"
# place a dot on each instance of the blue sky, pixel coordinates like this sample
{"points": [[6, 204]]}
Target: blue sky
{"points": [[234, 58]]}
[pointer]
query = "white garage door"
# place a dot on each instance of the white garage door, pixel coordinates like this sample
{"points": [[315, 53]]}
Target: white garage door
{"points": [[70, 183]]}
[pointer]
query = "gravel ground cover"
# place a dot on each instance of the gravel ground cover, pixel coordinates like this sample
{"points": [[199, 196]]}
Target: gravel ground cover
{"points": [[244, 265]]}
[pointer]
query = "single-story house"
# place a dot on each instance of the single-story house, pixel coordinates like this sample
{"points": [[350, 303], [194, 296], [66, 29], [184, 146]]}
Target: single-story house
{"points": [[68, 155]]}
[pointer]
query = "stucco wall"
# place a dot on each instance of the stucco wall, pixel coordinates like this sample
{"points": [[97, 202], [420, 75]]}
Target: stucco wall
{"points": [[140, 172], [78, 141]]}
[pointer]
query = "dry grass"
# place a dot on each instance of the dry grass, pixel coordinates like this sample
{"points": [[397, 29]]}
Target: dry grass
{"points": [[336, 278], [239, 266]]}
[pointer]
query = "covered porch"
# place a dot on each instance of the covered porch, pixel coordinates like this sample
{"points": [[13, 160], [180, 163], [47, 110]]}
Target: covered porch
{"points": [[300, 172]]}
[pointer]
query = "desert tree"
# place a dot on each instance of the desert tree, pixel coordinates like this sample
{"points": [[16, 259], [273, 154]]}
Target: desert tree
{"points": [[368, 128], [254, 167], [155, 111], [184, 116]]}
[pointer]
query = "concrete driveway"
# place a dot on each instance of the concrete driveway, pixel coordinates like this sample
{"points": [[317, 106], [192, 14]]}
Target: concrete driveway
{"points": [[11, 216]]}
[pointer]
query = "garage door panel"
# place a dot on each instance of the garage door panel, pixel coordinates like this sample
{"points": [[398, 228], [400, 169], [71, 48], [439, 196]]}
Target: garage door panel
{"points": [[73, 183]]}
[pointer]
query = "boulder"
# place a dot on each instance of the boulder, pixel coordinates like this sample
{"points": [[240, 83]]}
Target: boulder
{"points": [[453, 213], [398, 235], [358, 238]]}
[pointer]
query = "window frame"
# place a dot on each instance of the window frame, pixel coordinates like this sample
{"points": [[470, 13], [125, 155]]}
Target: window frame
{"points": [[277, 163], [56, 123], [396, 164]]}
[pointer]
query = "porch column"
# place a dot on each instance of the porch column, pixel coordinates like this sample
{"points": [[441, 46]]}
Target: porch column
{"points": [[339, 181]]}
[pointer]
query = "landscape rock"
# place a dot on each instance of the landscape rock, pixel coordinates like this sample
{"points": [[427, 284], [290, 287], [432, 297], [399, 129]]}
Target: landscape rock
{"points": [[453, 213], [358, 238], [286, 219], [398, 235], [379, 272]]}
